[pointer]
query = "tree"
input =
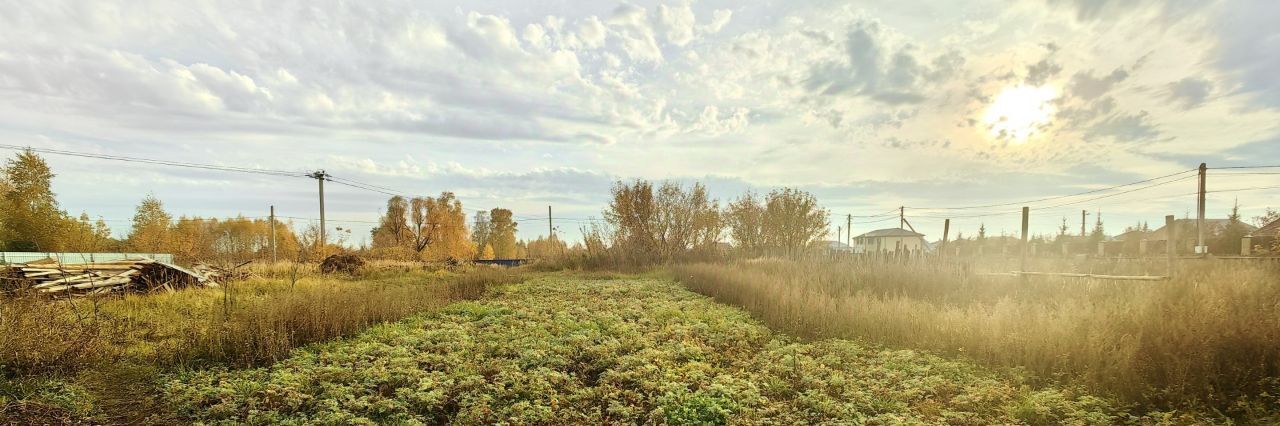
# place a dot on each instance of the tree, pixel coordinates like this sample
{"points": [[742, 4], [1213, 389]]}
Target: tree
{"points": [[632, 213], [393, 227], [438, 227], [1266, 218], [1228, 242], [792, 220], [32, 219], [1062, 229], [687, 219], [86, 236], [657, 226], [151, 224], [487, 253], [744, 218], [480, 231], [422, 230], [502, 233], [1098, 234], [546, 248]]}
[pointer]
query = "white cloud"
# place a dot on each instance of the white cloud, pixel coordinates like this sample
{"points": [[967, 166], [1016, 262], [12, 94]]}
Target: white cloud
{"points": [[631, 24], [592, 32], [719, 18], [677, 22]]}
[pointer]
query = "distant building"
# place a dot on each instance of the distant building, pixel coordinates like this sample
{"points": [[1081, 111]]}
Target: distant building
{"points": [[889, 240], [833, 246], [1186, 233], [1266, 235]]}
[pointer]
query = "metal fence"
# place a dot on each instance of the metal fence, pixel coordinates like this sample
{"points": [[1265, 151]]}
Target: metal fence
{"points": [[23, 257]]}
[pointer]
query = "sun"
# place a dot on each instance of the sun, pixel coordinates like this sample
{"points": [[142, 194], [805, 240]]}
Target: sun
{"points": [[1020, 112]]}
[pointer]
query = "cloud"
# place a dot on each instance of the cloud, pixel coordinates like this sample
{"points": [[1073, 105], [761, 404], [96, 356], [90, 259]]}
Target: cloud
{"points": [[1124, 128], [677, 23], [592, 32], [631, 24], [1040, 72], [1085, 86], [873, 68], [1190, 92], [1098, 10], [719, 18]]}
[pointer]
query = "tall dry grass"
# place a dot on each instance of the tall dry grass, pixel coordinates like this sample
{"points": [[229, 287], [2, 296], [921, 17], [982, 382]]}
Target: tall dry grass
{"points": [[111, 350], [244, 323], [1207, 341]]}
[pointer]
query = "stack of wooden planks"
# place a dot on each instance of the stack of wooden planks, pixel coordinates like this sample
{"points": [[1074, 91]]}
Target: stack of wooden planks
{"points": [[141, 275]]}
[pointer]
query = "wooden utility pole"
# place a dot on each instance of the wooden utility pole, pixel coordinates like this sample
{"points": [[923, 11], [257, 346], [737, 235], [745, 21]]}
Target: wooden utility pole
{"points": [[551, 230], [1026, 221], [1170, 247], [1200, 249], [273, 234], [946, 232], [1083, 213], [848, 228], [902, 217], [321, 176]]}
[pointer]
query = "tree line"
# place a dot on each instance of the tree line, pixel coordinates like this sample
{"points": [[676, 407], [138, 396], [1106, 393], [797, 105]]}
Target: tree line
{"points": [[643, 223]]}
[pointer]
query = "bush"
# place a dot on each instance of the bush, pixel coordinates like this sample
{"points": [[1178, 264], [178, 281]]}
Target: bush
{"points": [[344, 263]]}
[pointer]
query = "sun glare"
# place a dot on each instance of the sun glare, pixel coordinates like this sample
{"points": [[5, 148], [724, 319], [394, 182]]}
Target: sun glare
{"points": [[1020, 112]]}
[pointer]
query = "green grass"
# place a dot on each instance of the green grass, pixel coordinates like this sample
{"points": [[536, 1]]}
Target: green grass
{"points": [[569, 350]]}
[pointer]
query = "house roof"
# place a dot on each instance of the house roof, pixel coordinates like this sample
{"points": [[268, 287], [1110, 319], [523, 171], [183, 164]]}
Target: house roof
{"points": [[1268, 230], [834, 245], [1211, 226], [890, 232], [1134, 233]]}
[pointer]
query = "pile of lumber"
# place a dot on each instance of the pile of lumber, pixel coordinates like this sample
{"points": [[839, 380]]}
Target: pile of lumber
{"points": [[220, 274], [141, 275]]}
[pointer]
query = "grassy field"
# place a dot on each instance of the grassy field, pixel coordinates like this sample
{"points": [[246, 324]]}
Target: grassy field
{"points": [[569, 349], [1203, 347], [97, 360]]}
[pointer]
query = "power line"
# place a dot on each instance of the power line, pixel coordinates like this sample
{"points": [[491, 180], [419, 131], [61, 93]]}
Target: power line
{"points": [[1246, 167], [268, 172], [1023, 203], [893, 212]]}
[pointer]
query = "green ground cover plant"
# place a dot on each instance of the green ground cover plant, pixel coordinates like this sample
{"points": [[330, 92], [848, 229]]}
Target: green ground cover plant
{"points": [[632, 350]]}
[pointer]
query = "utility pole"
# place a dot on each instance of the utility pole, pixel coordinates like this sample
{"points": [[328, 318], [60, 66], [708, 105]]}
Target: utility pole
{"points": [[1026, 220], [273, 234], [1083, 213], [839, 236], [902, 217], [321, 176], [551, 230], [848, 227], [946, 233], [1200, 248], [1170, 247]]}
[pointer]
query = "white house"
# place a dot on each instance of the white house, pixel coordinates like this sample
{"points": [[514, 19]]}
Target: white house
{"points": [[889, 240]]}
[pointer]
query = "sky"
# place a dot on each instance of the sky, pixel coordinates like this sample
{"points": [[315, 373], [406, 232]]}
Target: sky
{"points": [[868, 105]]}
